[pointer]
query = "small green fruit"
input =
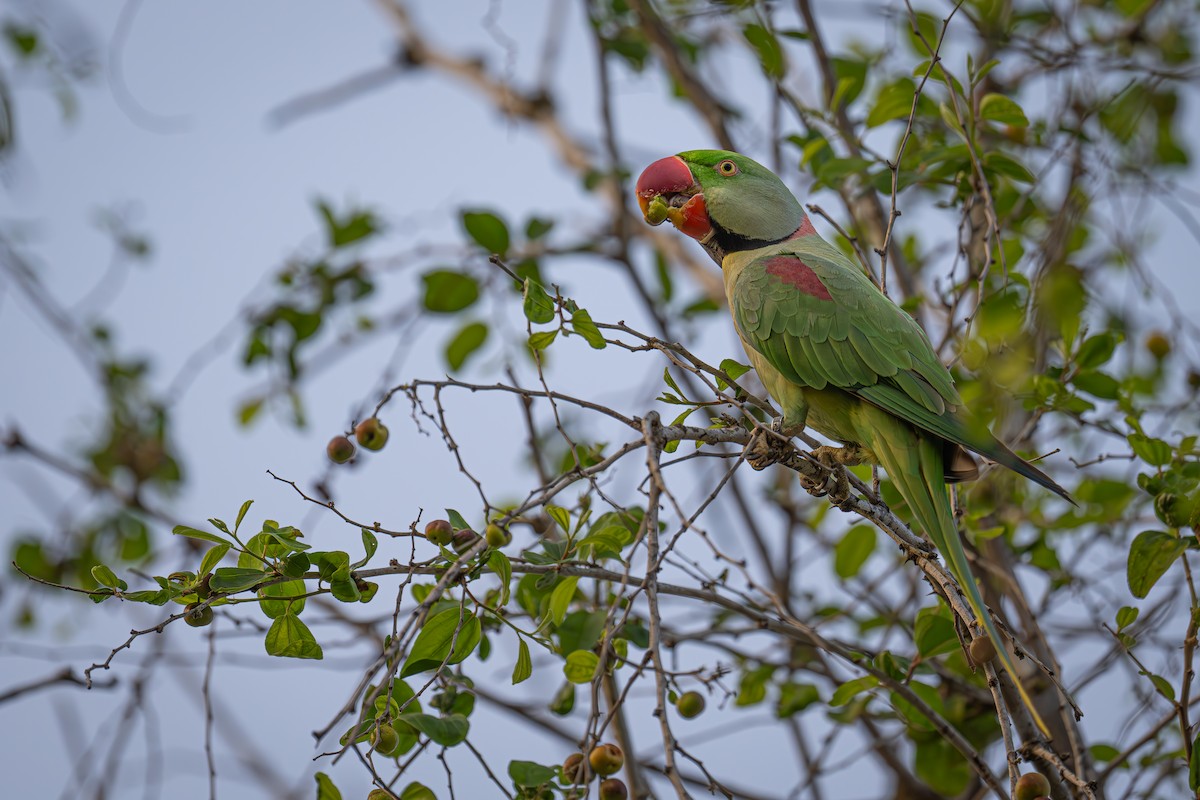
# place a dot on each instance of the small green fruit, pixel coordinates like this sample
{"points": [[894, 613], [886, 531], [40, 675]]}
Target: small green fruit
{"points": [[1031, 786], [606, 759], [198, 617], [982, 650], [385, 740], [573, 769], [371, 433], [464, 540], [439, 532], [690, 705], [496, 536], [340, 449], [380, 794], [613, 789]]}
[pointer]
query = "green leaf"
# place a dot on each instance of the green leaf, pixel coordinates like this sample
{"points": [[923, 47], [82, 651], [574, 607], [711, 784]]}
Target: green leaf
{"points": [[242, 513], [432, 646], [295, 565], [580, 630], [560, 515], [933, 632], [289, 543], [193, 533], [770, 53], [106, 577], [752, 688], [894, 102], [853, 550], [370, 545], [581, 323], [1004, 164], [1096, 350], [524, 666], [326, 789], [291, 638], [468, 339], [502, 566], [794, 698], [357, 224], [446, 731], [999, 108], [456, 520], [488, 231], [851, 76], [1162, 686], [447, 292], [231, 580], [154, 598], [733, 369], [537, 227], [417, 791], [274, 607], [537, 304], [560, 598], [580, 666], [248, 411], [1150, 556], [540, 340], [1194, 766], [942, 767], [1126, 617], [530, 775], [1153, 451], [848, 690]]}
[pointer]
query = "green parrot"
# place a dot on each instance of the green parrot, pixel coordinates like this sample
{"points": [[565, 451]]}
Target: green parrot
{"points": [[833, 351]]}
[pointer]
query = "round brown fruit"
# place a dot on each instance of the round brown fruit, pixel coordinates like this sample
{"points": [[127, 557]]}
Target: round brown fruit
{"points": [[439, 532], [983, 650], [464, 540], [371, 433], [613, 789], [384, 739], [198, 616], [1031, 786], [340, 449], [496, 536], [573, 769], [690, 705], [606, 759], [1158, 344]]}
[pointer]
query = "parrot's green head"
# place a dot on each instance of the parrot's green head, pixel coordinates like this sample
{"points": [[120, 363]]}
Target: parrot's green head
{"points": [[724, 200]]}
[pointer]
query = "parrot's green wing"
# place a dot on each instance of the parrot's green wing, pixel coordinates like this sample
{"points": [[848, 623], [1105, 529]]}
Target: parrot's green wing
{"points": [[821, 322]]}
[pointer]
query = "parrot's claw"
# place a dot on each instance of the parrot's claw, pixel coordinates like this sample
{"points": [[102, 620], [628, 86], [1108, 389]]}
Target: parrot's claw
{"points": [[836, 485], [765, 449]]}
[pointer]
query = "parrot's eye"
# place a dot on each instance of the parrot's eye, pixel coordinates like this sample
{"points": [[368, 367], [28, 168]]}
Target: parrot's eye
{"points": [[727, 168]]}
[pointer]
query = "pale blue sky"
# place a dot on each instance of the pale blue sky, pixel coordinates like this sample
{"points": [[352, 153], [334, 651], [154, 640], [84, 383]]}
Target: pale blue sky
{"points": [[225, 201]]}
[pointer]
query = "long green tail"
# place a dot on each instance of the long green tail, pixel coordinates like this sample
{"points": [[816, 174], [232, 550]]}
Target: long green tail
{"points": [[914, 464]]}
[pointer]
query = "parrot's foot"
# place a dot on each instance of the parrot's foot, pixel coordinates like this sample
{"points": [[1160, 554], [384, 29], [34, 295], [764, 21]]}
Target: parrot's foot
{"points": [[765, 449], [836, 485]]}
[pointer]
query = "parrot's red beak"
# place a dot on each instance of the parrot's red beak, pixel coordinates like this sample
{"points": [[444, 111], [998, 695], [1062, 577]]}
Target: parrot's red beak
{"points": [[667, 190]]}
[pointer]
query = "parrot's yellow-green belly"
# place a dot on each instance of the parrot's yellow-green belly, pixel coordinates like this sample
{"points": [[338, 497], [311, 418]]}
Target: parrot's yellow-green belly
{"points": [[831, 412]]}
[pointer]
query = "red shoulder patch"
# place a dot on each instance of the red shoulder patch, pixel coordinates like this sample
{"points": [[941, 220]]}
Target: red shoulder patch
{"points": [[795, 272]]}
